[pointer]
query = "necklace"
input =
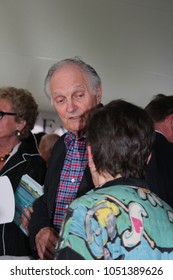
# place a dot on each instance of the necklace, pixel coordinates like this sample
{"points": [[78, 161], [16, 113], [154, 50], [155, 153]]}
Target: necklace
{"points": [[2, 159]]}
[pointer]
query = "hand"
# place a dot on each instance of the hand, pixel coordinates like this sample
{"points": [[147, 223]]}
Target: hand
{"points": [[25, 218], [46, 240]]}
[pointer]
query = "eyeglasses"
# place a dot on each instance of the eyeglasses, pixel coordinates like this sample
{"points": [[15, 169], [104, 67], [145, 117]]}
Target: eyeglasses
{"points": [[2, 114]]}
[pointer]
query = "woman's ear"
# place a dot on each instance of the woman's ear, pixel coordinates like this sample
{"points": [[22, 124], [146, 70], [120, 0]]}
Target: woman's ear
{"points": [[90, 157], [91, 163], [20, 125], [94, 173]]}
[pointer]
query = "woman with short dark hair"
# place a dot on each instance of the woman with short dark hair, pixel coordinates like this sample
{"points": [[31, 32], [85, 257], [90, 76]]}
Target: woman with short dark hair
{"points": [[121, 219]]}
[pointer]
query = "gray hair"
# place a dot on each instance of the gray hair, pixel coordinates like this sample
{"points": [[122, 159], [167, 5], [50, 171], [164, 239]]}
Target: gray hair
{"points": [[92, 75]]}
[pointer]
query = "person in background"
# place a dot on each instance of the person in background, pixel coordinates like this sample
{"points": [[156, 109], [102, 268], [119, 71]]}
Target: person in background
{"points": [[38, 136], [74, 88], [121, 219], [18, 156], [160, 167], [46, 145]]}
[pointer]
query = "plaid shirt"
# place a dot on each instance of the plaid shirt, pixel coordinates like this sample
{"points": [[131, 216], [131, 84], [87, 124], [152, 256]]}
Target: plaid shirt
{"points": [[74, 165]]}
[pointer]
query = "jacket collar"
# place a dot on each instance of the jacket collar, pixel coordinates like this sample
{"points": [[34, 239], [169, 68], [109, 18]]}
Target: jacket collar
{"points": [[28, 147]]}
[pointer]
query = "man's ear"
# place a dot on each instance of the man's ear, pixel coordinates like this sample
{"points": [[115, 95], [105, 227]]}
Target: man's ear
{"points": [[171, 120], [99, 95]]}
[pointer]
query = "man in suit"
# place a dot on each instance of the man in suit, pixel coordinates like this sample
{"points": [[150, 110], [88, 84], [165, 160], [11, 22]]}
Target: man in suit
{"points": [[74, 88], [160, 167]]}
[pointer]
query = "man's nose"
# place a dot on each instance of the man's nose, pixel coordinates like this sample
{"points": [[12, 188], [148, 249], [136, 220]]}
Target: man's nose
{"points": [[71, 106]]}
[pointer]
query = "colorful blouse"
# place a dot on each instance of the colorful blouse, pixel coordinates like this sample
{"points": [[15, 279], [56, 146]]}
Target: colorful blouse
{"points": [[120, 220]]}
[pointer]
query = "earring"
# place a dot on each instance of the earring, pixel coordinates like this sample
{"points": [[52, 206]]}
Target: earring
{"points": [[18, 133]]}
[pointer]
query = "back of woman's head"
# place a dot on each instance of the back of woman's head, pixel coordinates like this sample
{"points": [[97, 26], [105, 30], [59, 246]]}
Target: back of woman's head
{"points": [[121, 136]]}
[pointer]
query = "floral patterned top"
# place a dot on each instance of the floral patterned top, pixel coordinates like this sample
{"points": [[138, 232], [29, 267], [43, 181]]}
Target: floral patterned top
{"points": [[121, 219]]}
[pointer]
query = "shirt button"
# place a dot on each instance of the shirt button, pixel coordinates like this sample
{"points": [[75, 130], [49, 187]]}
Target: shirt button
{"points": [[72, 180]]}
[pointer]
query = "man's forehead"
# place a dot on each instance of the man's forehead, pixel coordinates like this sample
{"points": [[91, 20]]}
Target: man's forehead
{"points": [[68, 90], [69, 69]]}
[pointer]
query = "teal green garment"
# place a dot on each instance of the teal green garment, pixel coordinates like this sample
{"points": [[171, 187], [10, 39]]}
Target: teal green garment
{"points": [[118, 222]]}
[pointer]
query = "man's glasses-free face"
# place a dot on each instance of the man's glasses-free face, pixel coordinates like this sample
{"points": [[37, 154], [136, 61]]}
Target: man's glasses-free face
{"points": [[2, 114]]}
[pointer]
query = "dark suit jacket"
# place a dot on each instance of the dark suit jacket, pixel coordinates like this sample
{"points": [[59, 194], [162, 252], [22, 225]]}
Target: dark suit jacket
{"points": [[26, 160], [44, 207], [160, 169]]}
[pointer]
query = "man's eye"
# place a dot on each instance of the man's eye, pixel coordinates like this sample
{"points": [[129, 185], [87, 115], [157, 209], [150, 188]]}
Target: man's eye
{"points": [[78, 96], [60, 100]]}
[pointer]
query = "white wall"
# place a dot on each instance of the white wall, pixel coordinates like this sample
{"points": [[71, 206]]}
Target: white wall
{"points": [[129, 42]]}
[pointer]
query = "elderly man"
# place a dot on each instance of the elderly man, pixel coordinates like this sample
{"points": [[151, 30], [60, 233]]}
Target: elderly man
{"points": [[74, 87]]}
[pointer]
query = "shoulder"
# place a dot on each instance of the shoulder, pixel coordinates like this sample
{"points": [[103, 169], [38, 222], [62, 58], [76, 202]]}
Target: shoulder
{"points": [[29, 146], [59, 143]]}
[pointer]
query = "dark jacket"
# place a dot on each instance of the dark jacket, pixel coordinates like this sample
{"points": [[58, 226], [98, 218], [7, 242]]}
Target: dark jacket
{"points": [[160, 169], [44, 206], [26, 160]]}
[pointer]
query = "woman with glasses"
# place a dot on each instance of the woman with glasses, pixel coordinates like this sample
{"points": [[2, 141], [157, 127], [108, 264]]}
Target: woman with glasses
{"points": [[19, 155]]}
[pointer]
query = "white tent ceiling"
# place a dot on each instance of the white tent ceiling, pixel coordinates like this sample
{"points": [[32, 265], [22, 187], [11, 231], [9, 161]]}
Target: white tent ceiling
{"points": [[129, 42]]}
